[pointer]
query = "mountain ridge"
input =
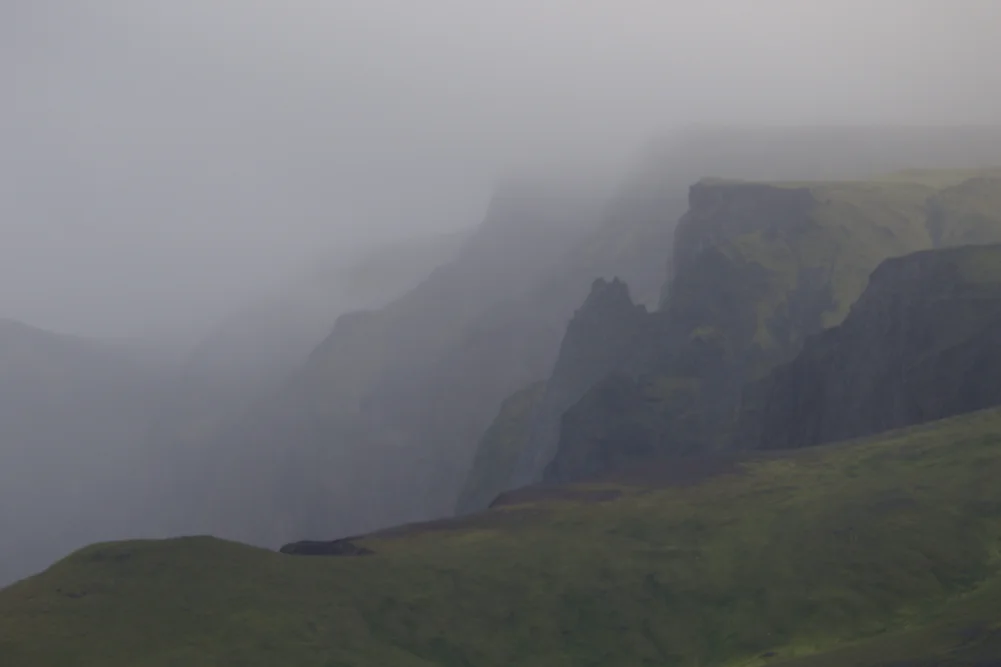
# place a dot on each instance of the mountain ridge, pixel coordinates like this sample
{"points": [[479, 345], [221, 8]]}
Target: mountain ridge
{"points": [[757, 269]]}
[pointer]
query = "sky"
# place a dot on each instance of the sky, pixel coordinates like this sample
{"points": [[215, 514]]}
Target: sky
{"points": [[162, 161]]}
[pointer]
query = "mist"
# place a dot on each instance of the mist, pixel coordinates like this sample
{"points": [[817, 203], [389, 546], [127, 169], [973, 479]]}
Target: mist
{"points": [[209, 178], [163, 161]]}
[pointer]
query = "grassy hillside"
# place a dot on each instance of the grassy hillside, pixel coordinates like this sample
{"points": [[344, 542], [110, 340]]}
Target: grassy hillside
{"points": [[862, 554]]}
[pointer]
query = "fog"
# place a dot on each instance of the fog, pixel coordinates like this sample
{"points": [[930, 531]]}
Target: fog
{"points": [[171, 171], [164, 160]]}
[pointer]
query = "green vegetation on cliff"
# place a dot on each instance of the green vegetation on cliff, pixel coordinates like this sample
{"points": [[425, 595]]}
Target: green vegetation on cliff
{"points": [[804, 257], [759, 268], [862, 554], [922, 343]]}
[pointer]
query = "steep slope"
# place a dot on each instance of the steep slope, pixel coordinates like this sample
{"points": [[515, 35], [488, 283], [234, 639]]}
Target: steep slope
{"points": [[73, 413], [870, 553], [501, 446], [249, 357], [252, 352], [922, 343], [777, 153], [758, 268], [375, 428], [605, 334]]}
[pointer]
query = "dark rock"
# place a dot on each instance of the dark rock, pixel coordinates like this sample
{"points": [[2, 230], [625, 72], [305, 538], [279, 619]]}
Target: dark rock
{"points": [[342, 547], [608, 333], [922, 343]]}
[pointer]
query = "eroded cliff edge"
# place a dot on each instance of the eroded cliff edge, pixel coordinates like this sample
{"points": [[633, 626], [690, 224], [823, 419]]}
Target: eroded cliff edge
{"points": [[922, 343], [757, 269]]}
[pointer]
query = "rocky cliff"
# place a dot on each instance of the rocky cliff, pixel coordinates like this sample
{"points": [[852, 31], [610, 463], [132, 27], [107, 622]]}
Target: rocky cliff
{"points": [[608, 332], [500, 448], [378, 426], [757, 270], [922, 343]]}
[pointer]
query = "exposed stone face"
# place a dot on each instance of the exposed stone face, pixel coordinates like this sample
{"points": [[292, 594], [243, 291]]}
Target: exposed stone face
{"points": [[499, 449], [759, 269], [607, 333], [624, 420], [630, 247], [922, 343], [719, 211]]}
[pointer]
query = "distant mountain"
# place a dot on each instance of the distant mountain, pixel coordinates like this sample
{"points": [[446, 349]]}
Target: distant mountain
{"points": [[371, 430], [73, 418], [253, 352]]}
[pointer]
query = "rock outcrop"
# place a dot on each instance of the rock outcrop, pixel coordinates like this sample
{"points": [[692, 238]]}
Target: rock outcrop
{"points": [[608, 333], [922, 343], [379, 425], [341, 547], [499, 449], [758, 270]]}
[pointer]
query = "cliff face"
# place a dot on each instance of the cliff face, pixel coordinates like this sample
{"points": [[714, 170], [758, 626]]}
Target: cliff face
{"points": [[607, 333], [246, 360], [686, 352], [922, 343], [378, 425], [632, 244], [624, 420], [757, 270], [500, 447]]}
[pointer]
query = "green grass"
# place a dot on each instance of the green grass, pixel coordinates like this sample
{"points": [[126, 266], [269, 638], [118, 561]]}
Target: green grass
{"points": [[877, 550], [852, 228]]}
